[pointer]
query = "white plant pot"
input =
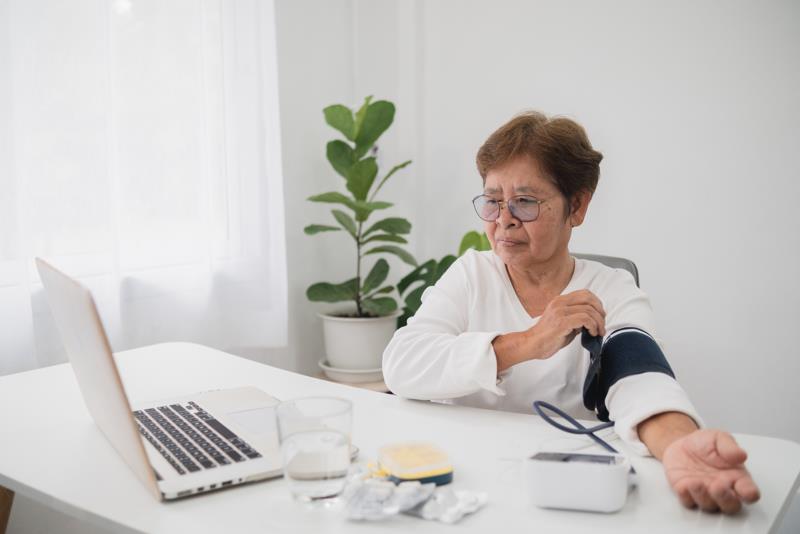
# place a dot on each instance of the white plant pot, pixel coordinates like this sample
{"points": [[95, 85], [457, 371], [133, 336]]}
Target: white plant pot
{"points": [[357, 342]]}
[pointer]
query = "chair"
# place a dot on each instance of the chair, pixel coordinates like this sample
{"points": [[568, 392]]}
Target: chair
{"points": [[613, 262]]}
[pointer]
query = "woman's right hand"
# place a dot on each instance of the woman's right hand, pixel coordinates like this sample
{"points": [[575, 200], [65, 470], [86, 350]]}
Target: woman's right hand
{"points": [[558, 325], [563, 319]]}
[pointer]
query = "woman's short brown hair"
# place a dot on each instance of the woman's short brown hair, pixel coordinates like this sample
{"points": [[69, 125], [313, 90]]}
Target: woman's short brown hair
{"points": [[559, 145]]}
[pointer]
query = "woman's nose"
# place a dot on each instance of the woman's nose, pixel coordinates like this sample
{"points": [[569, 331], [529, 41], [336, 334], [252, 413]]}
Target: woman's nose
{"points": [[505, 219]]}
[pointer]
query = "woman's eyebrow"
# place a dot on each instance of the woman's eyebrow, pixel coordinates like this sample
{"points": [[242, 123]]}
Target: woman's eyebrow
{"points": [[522, 189], [528, 189]]}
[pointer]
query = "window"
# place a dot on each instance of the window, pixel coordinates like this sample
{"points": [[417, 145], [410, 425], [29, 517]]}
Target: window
{"points": [[140, 153]]}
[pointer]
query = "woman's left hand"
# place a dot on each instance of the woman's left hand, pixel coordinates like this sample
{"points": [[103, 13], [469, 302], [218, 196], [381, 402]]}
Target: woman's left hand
{"points": [[706, 469]]}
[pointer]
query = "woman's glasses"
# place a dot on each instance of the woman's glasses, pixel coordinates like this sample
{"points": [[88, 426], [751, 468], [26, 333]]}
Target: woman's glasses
{"points": [[522, 207]]}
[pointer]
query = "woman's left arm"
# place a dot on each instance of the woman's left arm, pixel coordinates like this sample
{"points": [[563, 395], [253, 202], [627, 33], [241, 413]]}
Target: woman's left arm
{"points": [[705, 467]]}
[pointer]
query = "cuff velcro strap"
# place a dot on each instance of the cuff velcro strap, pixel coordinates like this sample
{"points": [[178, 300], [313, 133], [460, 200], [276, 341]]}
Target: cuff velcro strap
{"points": [[628, 351]]}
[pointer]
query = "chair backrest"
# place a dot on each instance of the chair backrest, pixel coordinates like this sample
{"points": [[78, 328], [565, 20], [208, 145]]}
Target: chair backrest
{"points": [[614, 262]]}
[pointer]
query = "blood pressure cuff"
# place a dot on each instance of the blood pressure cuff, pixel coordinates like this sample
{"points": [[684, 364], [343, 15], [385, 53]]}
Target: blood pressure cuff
{"points": [[628, 351]]}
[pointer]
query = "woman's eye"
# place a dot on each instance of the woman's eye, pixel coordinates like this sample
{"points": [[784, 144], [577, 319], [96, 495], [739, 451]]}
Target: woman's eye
{"points": [[526, 200]]}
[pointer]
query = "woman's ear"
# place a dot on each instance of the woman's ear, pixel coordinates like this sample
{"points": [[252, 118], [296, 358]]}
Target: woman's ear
{"points": [[578, 207]]}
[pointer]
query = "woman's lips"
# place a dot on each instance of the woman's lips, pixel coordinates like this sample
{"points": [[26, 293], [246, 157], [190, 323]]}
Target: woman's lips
{"points": [[508, 242]]}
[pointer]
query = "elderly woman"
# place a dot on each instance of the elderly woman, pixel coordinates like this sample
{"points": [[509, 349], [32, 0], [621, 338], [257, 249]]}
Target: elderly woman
{"points": [[500, 328]]}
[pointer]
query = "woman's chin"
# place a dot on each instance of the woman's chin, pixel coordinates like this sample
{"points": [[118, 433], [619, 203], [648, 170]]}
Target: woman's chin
{"points": [[509, 254]]}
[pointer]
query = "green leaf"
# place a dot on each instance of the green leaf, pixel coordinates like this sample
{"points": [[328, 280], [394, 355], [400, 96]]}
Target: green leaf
{"points": [[397, 251], [312, 229], [473, 239], [442, 267], [403, 319], [485, 244], [379, 306], [424, 273], [383, 290], [428, 273], [346, 221], [385, 237], [334, 198], [392, 225], [379, 116], [326, 292], [414, 299], [376, 205], [341, 118], [341, 156], [391, 172], [360, 114], [376, 275], [363, 209], [361, 177]]}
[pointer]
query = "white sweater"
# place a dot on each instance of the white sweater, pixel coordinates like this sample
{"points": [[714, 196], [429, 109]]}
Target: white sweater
{"points": [[445, 351]]}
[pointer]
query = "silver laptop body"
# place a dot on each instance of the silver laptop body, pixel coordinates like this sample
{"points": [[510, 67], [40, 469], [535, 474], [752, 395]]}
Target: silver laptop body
{"points": [[177, 447]]}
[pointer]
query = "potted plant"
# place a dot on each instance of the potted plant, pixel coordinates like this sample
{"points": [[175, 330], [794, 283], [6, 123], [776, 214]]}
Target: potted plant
{"points": [[428, 273], [356, 337]]}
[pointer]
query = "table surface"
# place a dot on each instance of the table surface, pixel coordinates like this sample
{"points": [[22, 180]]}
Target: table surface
{"points": [[53, 452], [379, 386]]}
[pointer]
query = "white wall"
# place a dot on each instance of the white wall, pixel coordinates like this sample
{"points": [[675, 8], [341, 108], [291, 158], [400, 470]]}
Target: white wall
{"points": [[694, 105], [315, 63]]}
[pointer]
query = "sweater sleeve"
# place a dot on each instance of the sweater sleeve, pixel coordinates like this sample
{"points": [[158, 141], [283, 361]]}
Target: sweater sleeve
{"points": [[638, 397], [635, 398], [434, 357]]}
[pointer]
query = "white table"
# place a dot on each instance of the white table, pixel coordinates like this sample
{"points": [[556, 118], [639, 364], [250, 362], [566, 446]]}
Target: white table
{"points": [[51, 451]]}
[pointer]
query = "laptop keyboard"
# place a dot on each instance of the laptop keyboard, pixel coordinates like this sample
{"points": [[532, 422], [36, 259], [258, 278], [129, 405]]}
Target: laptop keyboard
{"points": [[190, 439]]}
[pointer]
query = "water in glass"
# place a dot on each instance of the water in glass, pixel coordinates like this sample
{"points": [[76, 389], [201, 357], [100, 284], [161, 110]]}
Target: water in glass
{"points": [[316, 463]]}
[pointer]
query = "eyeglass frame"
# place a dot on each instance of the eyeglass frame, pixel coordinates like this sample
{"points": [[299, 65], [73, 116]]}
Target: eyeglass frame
{"points": [[501, 204]]}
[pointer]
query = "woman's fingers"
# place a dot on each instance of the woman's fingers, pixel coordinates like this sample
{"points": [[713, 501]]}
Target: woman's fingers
{"points": [[725, 497], [721, 494], [574, 321], [685, 496], [747, 489], [564, 318], [597, 318], [586, 320], [700, 495], [584, 296], [729, 450]]}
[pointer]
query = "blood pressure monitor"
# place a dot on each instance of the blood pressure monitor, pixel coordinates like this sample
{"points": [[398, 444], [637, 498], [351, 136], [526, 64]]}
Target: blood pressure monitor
{"points": [[575, 481]]}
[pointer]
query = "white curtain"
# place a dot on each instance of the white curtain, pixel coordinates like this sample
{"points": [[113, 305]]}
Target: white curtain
{"points": [[140, 153]]}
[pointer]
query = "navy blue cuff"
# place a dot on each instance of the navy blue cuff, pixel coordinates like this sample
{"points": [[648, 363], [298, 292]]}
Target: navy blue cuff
{"points": [[629, 351]]}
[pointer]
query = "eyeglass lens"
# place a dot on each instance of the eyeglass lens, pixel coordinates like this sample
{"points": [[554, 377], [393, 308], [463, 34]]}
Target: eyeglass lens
{"points": [[524, 208]]}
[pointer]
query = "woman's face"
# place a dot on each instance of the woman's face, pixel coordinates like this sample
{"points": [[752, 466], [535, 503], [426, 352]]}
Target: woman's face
{"points": [[524, 245]]}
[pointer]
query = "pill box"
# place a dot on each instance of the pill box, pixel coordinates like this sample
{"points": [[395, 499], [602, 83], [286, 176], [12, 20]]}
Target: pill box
{"points": [[425, 462]]}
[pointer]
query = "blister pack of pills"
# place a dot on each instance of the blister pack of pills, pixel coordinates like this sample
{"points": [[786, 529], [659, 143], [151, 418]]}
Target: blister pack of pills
{"points": [[449, 506], [375, 499]]}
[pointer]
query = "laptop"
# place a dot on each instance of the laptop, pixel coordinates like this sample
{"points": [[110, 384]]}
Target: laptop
{"points": [[176, 447]]}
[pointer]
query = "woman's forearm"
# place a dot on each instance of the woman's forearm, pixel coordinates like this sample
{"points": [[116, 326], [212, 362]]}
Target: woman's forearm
{"points": [[659, 431], [513, 348]]}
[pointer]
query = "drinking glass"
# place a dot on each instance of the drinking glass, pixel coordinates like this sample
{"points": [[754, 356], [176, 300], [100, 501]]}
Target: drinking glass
{"points": [[315, 446]]}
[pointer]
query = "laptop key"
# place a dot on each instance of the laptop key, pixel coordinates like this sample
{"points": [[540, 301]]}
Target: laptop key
{"points": [[205, 430], [197, 438], [173, 432], [225, 432], [175, 465], [167, 442]]}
